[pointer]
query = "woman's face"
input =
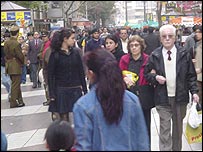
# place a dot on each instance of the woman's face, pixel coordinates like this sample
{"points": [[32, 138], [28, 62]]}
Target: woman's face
{"points": [[110, 45], [135, 48], [71, 40]]}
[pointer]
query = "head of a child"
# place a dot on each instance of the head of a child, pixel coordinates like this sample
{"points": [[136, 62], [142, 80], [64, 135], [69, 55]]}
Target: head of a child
{"points": [[59, 136]]}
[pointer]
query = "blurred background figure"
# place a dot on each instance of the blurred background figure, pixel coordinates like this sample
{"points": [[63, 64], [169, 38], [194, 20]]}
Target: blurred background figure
{"points": [[34, 48], [111, 44], [198, 59], [6, 80], [24, 47]]}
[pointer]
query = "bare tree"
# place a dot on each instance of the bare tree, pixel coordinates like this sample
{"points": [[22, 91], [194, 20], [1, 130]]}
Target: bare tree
{"points": [[158, 11]]}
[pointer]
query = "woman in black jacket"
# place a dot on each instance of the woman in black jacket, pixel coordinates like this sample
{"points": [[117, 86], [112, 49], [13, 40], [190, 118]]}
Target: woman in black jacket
{"points": [[66, 77]]}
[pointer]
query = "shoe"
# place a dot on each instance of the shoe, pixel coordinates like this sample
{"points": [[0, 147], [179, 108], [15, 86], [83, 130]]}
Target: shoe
{"points": [[21, 105], [34, 86], [46, 103], [18, 105]]}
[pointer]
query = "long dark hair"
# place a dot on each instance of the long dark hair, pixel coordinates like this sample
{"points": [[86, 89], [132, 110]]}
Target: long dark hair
{"points": [[58, 37], [109, 83]]}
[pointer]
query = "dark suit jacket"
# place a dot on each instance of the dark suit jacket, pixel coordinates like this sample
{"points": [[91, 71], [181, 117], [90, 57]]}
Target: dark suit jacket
{"points": [[33, 50]]}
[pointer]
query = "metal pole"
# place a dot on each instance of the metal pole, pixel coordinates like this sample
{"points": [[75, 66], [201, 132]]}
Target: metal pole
{"points": [[126, 11], [145, 11], [86, 10]]}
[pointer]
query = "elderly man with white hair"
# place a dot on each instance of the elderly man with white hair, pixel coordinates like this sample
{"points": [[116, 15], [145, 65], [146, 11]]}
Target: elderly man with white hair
{"points": [[171, 70]]}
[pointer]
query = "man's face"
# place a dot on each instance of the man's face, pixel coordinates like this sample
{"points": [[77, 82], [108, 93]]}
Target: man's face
{"points": [[123, 34], [45, 38], [36, 35], [167, 38], [96, 35], [198, 35]]}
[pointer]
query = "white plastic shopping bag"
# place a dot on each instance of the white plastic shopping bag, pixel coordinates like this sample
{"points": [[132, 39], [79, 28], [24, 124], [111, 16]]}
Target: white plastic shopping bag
{"points": [[194, 119]]}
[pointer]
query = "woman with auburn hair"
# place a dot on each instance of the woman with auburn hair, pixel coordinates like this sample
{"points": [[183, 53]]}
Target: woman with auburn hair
{"points": [[108, 117], [135, 61]]}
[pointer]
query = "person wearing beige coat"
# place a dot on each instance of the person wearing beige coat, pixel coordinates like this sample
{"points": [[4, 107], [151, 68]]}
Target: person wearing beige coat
{"points": [[24, 48], [198, 59]]}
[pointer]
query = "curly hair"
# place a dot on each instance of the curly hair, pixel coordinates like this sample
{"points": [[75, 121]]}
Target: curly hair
{"points": [[58, 37]]}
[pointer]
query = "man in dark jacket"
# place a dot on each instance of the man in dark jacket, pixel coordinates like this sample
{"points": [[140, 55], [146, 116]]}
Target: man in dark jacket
{"points": [[95, 42], [152, 41], [33, 60], [171, 70]]}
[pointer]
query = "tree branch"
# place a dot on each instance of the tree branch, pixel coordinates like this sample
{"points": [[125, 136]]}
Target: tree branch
{"points": [[69, 7], [76, 8]]}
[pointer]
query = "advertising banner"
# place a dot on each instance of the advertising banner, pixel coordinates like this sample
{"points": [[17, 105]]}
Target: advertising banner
{"points": [[15, 16]]}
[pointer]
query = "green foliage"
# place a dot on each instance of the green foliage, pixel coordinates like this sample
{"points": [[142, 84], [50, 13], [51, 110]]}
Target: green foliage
{"points": [[31, 4]]}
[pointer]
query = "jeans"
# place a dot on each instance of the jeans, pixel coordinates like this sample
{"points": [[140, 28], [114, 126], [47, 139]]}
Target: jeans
{"points": [[24, 72], [6, 81], [4, 142]]}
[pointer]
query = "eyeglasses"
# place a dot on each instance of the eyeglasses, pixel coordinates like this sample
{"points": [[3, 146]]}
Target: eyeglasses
{"points": [[136, 45], [165, 36]]}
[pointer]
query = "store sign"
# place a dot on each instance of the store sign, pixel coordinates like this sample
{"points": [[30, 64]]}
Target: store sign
{"points": [[27, 15], [11, 16], [14, 16], [19, 15], [57, 25], [187, 20]]}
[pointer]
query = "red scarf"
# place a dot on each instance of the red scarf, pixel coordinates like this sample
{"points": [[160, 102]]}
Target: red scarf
{"points": [[46, 45]]}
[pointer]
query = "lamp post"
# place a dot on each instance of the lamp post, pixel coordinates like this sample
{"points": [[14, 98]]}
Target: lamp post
{"points": [[145, 11], [126, 12]]}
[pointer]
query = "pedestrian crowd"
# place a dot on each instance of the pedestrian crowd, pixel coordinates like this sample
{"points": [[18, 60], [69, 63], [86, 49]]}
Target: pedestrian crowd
{"points": [[128, 72]]}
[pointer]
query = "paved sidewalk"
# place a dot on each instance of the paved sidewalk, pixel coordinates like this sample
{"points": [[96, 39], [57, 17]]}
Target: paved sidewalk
{"points": [[155, 135]]}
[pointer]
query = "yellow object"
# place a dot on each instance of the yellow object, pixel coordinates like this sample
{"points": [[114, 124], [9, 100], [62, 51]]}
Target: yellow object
{"points": [[133, 76], [83, 43], [194, 135]]}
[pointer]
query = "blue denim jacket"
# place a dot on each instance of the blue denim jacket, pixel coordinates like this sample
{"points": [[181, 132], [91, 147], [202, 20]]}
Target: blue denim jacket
{"points": [[93, 133]]}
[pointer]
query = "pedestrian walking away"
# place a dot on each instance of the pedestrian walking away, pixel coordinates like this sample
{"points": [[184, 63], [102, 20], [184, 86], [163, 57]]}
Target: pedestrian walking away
{"points": [[109, 117]]}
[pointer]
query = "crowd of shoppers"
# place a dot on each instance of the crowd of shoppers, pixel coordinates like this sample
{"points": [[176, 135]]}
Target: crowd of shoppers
{"points": [[116, 112]]}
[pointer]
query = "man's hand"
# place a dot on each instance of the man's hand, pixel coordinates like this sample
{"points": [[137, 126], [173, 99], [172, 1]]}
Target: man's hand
{"points": [[195, 98], [160, 79]]}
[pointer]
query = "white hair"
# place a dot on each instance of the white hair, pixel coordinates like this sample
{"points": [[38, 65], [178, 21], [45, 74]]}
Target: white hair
{"points": [[167, 26]]}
